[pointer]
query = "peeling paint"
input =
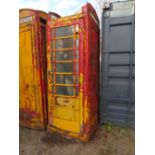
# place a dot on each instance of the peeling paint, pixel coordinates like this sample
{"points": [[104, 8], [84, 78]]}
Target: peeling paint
{"points": [[74, 113], [32, 70]]}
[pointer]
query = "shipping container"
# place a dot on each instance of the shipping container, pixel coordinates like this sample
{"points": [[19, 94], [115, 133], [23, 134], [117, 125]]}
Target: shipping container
{"points": [[73, 73], [32, 68], [117, 105]]}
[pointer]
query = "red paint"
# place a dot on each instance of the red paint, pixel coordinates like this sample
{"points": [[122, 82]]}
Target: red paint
{"points": [[88, 62], [91, 71]]}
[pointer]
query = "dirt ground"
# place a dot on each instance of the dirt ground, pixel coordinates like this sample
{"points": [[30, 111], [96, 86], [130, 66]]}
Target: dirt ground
{"points": [[116, 141]]}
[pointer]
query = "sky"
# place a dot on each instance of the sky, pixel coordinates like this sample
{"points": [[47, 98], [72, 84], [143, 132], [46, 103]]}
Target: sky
{"points": [[62, 7]]}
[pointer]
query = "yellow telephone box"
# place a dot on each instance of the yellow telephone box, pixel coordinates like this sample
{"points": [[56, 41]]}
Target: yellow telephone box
{"points": [[32, 68]]}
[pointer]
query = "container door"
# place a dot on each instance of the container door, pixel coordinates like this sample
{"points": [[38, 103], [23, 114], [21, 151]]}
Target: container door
{"points": [[64, 103], [117, 73]]}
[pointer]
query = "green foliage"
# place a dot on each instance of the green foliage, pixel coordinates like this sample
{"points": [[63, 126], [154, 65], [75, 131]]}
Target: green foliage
{"points": [[108, 126]]}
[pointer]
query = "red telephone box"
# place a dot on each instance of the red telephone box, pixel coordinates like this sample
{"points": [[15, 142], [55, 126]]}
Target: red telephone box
{"points": [[73, 73]]}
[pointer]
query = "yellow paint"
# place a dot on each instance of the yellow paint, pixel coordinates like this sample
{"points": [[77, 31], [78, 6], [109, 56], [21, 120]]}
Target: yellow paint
{"points": [[66, 20], [29, 78], [64, 96], [65, 61], [81, 78], [86, 110], [65, 73], [66, 49], [66, 37], [70, 18], [66, 125], [80, 136], [27, 87], [66, 112], [67, 85]]}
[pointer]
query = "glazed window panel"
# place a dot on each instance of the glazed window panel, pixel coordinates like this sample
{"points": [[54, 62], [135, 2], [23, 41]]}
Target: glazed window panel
{"points": [[76, 91], [64, 67], [25, 19], [77, 67], [65, 61], [63, 90], [65, 43], [64, 79], [64, 31], [53, 65], [77, 79], [77, 54], [64, 55]]}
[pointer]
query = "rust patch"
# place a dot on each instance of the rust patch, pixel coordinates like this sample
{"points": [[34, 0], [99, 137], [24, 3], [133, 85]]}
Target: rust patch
{"points": [[25, 116]]}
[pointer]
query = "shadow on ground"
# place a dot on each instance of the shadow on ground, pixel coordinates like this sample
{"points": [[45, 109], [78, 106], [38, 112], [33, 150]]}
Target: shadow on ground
{"points": [[117, 141]]}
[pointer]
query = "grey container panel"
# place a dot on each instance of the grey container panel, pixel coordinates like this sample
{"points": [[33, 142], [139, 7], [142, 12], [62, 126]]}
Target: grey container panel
{"points": [[118, 36], [119, 59], [118, 70], [120, 9], [116, 119], [120, 21], [133, 93]]}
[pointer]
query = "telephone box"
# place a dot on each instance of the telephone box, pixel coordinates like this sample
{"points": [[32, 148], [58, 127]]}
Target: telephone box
{"points": [[73, 73], [32, 68]]}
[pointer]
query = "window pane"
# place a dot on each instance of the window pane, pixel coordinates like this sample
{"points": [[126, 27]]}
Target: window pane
{"points": [[66, 55], [25, 19], [64, 31], [65, 79], [77, 80], [62, 90], [77, 54], [64, 67], [65, 43], [76, 91], [77, 67], [52, 67]]}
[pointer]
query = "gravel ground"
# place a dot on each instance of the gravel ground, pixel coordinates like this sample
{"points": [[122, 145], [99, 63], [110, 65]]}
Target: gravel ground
{"points": [[116, 141]]}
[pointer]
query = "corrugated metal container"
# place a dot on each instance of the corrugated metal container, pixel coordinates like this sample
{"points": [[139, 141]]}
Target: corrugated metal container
{"points": [[73, 73], [32, 68], [118, 64]]}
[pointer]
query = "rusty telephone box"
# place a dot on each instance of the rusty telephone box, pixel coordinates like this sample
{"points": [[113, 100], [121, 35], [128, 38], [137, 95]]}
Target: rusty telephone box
{"points": [[73, 73], [32, 68]]}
